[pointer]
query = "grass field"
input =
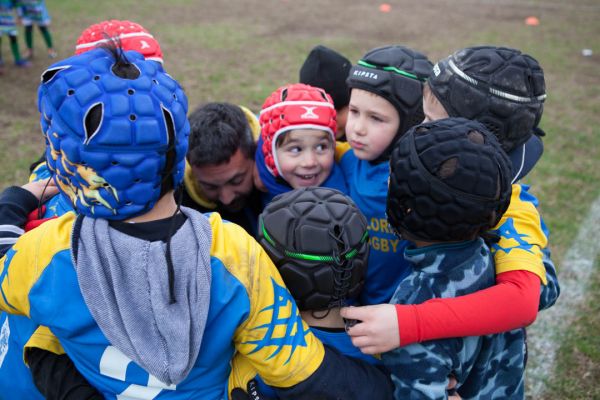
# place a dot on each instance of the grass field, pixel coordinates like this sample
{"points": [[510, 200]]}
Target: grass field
{"points": [[239, 51]]}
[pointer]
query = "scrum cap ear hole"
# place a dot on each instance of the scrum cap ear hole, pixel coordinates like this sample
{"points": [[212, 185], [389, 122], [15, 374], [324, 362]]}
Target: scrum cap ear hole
{"points": [[169, 124], [92, 121], [448, 168], [476, 137], [50, 73]]}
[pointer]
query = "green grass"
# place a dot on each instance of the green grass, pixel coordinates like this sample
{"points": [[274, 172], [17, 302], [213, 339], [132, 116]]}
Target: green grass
{"points": [[240, 51], [578, 370]]}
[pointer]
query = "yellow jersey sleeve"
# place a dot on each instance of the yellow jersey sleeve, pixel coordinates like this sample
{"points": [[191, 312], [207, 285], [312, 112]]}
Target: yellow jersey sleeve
{"points": [[23, 264], [273, 339], [521, 237], [242, 372], [341, 148]]}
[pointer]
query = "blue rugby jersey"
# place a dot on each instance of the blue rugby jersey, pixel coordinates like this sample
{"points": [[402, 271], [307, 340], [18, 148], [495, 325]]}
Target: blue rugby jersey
{"points": [[368, 187]]}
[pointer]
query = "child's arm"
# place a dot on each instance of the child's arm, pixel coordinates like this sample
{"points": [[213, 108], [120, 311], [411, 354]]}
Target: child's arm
{"points": [[510, 304], [550, 291], [54, 375], [15, 205]]}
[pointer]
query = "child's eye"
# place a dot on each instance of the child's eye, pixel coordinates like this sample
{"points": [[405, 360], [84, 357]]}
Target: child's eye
{"points": [[323, 147], [294, 149], [376, 118]]}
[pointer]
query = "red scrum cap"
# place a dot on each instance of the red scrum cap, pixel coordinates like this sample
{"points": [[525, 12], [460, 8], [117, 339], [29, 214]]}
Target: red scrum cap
{"points": [[290, 107], [132, 36]]}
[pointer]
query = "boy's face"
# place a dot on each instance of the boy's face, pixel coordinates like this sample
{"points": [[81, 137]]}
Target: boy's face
{"points": [[305, 157], [372, 124], [432, 108]]}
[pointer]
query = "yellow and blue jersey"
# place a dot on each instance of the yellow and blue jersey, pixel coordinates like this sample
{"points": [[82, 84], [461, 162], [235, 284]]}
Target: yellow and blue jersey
{"points": [[18, 332], [522, 234], [251, 313]]}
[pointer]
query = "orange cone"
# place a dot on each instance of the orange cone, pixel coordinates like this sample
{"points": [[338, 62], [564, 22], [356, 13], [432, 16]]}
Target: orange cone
{"points": [[532, 21], [385, 8]]}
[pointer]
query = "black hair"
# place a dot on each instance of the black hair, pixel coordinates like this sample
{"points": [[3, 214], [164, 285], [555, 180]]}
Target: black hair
{"points": [[122, 67], [217, 131]]}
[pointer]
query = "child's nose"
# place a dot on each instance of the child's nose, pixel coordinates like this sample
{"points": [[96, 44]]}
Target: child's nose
{"points": [[359, 126], [309, 159]]}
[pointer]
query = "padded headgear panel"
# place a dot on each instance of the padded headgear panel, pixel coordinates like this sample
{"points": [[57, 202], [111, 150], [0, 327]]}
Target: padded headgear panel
{"points": [[449, 181], [318, 240], [116, 130], [395, 73], [499, 87]]}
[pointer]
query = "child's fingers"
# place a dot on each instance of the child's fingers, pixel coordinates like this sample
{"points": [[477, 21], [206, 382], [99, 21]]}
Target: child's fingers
{"points": [[51, 189], [362, 341], [42, 189], [359, 330], [358, 313], [366, 345], [371, 350]]}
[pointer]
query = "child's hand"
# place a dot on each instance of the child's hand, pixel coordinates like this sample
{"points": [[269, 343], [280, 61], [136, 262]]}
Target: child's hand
{"points": [[37, 189], [377, 328], [452, 393]]}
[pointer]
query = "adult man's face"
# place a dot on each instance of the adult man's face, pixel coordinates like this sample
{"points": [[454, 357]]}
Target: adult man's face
{"points": [[228, 184]]}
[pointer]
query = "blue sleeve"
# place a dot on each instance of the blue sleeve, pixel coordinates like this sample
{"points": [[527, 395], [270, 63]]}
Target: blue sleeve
{"points": [[551, 290], [340, 377]]}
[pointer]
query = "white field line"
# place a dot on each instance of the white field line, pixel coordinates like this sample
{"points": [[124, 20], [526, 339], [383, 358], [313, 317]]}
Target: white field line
{"points": [[545, 336]]}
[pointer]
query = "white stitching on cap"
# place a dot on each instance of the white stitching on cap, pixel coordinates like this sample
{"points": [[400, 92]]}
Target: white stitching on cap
{"points": [[496, 92], [461, 74], [298, 103], [121, 36]]}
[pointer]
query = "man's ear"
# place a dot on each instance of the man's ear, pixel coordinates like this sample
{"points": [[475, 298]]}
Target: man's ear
{"points": [[258, 183]]}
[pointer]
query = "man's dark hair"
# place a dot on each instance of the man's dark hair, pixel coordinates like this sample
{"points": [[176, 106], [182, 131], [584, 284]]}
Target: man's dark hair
{"points": [[217, 131]]}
